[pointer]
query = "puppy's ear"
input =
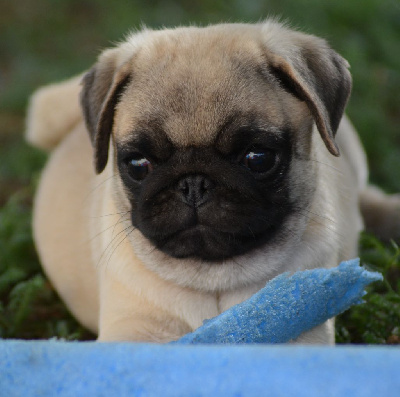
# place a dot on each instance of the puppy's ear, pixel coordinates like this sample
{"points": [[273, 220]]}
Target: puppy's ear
{"points": [[102, 88], [307, 67]]}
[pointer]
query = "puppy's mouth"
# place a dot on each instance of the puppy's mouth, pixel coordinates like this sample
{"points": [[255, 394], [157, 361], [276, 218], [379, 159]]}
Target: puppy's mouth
{"points": [[208, 243]]}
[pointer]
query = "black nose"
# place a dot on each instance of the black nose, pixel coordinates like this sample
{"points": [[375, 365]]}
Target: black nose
{"points": [[194, 189]]}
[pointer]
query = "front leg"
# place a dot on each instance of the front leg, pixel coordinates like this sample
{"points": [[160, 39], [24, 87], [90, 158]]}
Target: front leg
{"points": [[323, 334], [124, 316]]}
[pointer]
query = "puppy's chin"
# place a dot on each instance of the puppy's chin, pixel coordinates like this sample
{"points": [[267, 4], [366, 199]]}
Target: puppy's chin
{"points": [[256, 266]]}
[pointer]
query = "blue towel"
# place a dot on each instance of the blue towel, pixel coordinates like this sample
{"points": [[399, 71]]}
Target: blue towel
{"points": [[74, 369]]}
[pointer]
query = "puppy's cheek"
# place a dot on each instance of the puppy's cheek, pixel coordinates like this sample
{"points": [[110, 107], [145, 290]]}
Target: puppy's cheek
{"points": [[227, 217], [233, 213], [161, 215]]}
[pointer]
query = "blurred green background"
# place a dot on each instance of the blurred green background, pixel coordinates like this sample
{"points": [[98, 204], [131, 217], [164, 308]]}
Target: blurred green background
{"points": [[42, 41]]}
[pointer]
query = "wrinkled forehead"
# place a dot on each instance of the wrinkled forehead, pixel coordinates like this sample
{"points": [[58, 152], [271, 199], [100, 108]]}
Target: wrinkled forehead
{"points": [[190, 86]]}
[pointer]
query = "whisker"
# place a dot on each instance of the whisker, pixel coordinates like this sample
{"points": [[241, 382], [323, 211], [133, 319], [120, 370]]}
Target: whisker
{"points": [[316, 214], [320, 222], [116, 213], [124, 238], [327, 165], [121, 219], [97, 186], [109, 246], [240, 265], [251, 231], [289, 230], [103, 231]]}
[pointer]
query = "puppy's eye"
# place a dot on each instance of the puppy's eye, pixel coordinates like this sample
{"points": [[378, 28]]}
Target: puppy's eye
{"points": [[138, 166], [260, 160]]}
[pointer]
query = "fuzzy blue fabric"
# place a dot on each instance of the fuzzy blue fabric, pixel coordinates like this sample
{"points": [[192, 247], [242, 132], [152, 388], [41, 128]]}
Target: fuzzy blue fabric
{"points": [[286, 307], [72, 369]]}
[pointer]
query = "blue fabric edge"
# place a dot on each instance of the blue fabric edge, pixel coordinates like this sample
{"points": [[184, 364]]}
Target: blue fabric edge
{"points": [[73, 368]]}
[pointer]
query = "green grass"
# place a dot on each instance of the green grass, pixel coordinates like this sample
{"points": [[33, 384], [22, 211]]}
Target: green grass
{"points": [[377, 321], [49, 40]]}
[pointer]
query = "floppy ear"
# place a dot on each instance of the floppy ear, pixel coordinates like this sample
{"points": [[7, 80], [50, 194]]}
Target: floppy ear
{"points": [[102, 88], [316, 74]]}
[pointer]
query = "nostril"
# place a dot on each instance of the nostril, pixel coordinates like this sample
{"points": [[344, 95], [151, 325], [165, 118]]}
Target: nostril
{"points": [[183, 186], [194, 189], [207, 184]]}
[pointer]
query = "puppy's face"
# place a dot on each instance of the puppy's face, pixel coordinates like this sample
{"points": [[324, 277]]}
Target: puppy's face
{"points": [[211, 137], [204, 148]]}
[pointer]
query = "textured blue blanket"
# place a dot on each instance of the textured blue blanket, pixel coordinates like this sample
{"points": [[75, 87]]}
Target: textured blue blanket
{"points": [[73, 369]]}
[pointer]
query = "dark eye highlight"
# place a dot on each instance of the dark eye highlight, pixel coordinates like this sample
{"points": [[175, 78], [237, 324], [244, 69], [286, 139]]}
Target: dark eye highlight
{"points": [[260, 160], [138, 166]]}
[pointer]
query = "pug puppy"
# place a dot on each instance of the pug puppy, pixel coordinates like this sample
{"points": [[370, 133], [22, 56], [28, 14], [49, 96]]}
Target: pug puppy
{"points": [[216, 168]]}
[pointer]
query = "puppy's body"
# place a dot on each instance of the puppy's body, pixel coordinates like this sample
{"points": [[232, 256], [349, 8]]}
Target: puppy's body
{"points": [[149, 259]]}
